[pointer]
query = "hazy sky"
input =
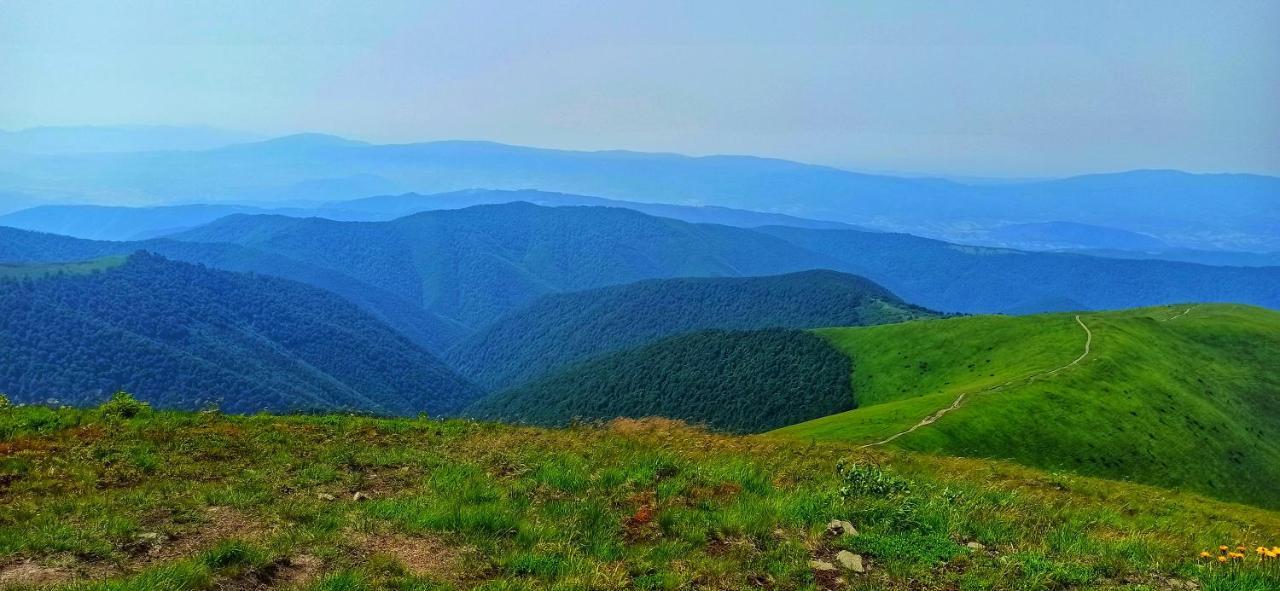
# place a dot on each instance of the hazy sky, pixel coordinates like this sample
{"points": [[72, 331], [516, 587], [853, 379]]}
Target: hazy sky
{"points": [[1017, 88]]}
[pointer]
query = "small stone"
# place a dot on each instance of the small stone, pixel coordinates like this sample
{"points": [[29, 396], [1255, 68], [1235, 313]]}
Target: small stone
{"points": [[851, 561], [976, 546], [840, 527], [359, 496], [326, 497], [149, 537], [821, 565]]}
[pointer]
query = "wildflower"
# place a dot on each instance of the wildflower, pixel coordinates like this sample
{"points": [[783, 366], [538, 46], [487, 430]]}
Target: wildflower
{"points": [[1235, 555], [1222, 548], [1205, 555], [1222, 559]]}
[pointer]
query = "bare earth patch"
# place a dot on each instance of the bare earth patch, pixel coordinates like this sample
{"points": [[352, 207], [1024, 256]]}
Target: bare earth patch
{"points": [[420, 556]]}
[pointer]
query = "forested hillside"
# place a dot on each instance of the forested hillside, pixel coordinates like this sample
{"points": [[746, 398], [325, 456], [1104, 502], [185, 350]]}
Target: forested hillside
{"points": [[1179, 396], [563, 328], [472, 265], [730, 380], [425, 329], [184, 336]]}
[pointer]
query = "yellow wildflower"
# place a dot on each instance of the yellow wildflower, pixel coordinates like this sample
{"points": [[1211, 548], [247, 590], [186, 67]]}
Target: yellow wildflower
{"points": [[1222, 559]]}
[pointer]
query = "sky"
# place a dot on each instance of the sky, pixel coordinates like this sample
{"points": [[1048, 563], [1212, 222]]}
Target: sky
{"points": [[980, 88]]}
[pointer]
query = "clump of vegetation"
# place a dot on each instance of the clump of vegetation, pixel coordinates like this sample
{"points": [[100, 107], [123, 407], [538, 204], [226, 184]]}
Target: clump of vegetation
{"points": [[866, 479], [167, 500], [122, 405]]}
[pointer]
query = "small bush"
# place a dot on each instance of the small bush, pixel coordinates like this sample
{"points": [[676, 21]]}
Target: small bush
{"points": [[4, 401], [865, 479], [124, 406]]}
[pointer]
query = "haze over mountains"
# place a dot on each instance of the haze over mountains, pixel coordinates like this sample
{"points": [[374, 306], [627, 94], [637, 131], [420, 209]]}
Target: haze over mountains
{"points": [[1196, 211]]}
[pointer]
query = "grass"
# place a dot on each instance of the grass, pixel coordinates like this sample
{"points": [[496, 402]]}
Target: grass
{"points": [[122, 497], [39, 270], [1187, 403]]}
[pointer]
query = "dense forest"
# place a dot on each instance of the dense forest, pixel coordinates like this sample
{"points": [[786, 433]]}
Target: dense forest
{"points": [[560, 329], [185, 336], [475, 264], [741, 381]]}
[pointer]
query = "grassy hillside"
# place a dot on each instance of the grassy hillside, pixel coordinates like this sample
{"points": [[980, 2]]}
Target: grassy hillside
{"points": [[732, 380], [564, 328], [121, 498], [1183, 396], [186, 336]]}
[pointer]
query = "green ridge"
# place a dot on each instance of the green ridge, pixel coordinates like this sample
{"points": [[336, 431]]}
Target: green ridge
{"points": [[1190, 402]]}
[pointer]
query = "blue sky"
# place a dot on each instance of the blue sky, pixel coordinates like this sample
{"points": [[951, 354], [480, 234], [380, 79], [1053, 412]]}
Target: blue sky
{"points": [[974, 88]]}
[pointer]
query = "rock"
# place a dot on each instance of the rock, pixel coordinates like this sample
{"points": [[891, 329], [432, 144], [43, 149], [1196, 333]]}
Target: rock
{"points": [[840, 527], [976, 546], [851, 561], [821, 565], [326, 497], [149, 537], [359, 496]]}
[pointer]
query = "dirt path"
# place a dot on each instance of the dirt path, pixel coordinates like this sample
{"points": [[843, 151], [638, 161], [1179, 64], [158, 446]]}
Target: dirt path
{"points": [[929, 420], [1177, 316]]}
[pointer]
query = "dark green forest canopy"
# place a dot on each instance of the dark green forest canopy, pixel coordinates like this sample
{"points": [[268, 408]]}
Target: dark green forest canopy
{"points": [[184, 336], [731, 380], [560, 329]]}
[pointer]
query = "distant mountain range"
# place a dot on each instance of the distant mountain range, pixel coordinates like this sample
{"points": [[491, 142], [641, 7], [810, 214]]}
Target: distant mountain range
{"points": [[88, 139], [102, 222], [185, 336], [1195, 211]]}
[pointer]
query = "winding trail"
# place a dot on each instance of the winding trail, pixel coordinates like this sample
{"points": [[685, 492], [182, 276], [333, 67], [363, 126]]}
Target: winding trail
{"points": [[929, 420]]}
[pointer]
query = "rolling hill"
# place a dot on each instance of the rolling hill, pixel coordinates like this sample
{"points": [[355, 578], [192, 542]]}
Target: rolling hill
{"points": [[184, 336], [1179, 396], [560, 329], [729, 380]]}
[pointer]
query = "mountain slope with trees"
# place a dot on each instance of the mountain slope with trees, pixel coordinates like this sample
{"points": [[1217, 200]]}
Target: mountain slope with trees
{"points": [[560, 329], [729, 380], [184, 336]]}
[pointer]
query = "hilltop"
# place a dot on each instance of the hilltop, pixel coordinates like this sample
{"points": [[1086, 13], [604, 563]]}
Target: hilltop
{"points": [[122, 497], [1180, 396]]}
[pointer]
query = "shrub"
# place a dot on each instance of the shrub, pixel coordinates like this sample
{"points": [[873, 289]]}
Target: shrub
{"points": [[123, 405], [866, 479], [4, 401]]}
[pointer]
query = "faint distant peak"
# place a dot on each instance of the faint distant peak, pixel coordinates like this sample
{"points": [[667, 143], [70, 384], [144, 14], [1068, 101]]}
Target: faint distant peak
{"points": [[305, 140]]}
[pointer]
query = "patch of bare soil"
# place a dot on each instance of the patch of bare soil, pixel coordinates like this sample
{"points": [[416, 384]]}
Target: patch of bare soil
{"points": [[422, 556]]}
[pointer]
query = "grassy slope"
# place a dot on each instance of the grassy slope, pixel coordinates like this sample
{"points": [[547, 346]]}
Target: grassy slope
{"points": [[172, 501], [1190, 402], [38, 270]]}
